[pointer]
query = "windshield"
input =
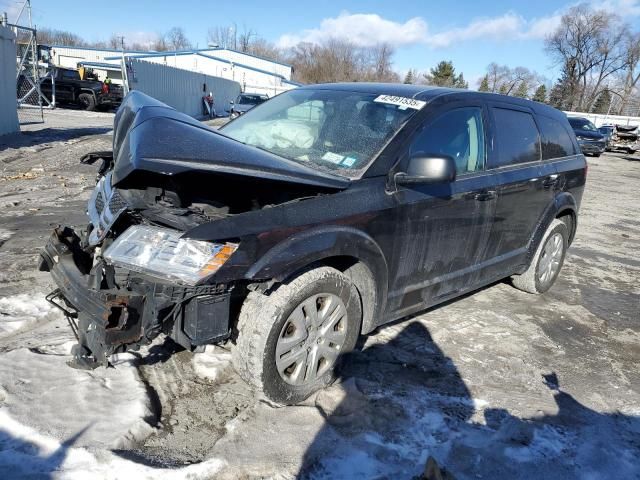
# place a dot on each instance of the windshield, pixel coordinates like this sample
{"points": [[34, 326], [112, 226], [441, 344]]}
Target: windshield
{"points": [[250, 99], [325, 129], [582, 124]]}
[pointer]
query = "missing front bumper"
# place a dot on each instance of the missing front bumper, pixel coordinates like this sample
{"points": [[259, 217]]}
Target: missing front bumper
{"points": [[108, 320]]}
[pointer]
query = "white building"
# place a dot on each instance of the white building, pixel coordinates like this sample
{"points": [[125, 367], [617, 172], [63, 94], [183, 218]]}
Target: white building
{"points": [[255, 74]]}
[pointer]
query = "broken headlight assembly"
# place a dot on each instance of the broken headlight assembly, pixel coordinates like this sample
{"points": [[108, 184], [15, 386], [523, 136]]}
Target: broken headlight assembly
{"points": [[161, 252]]}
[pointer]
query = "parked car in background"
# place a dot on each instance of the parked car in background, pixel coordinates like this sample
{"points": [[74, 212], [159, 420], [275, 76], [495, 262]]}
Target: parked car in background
{"points": [[607, 132], [70, 89], [245, 102], [315, 217], [591, 141]]}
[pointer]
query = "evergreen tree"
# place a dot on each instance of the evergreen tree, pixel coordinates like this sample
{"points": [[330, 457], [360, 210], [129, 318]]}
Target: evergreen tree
{"points": [[522, 90], [410, 77], [564, 92], [503, 89], [540, 94], [484, 84], [444, 75], [603, 102]]}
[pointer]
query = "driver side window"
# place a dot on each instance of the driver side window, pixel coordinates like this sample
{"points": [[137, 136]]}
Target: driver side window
{"points": [[458, 133]]}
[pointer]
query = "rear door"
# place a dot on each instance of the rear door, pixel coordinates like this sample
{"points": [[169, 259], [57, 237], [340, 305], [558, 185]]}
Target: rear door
{"points": [[524, 185]]}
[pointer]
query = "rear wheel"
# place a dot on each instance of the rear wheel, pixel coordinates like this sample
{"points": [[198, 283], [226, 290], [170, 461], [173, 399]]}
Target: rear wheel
{"points": [[547, 262], [290, 342], [86, 101]]}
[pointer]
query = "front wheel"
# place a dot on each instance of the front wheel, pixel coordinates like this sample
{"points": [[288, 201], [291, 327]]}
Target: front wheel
{"points": [[291, 341], [547, 261]]}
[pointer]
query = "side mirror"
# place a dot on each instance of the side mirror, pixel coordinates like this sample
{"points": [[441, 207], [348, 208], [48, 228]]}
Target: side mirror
{"points": [[426, 168]]}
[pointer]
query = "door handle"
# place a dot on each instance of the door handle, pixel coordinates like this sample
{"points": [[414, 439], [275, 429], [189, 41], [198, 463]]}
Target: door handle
{"points": [[485, 195], [550, 181]]}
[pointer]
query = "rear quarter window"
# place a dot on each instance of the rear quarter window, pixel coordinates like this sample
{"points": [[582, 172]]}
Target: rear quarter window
{"points": [[517, 137], [556, 141]]}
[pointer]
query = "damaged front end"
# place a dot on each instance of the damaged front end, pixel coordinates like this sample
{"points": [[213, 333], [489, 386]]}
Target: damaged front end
{"points": [[172, 204], [111, 310]]}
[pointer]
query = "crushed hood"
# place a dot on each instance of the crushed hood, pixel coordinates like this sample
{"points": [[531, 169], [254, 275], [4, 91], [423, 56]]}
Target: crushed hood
{"points": [[151, 136]]}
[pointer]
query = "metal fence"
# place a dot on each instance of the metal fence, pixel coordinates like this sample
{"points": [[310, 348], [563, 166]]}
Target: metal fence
{"points": [[29, 74], [181, 89], [599, 119]]}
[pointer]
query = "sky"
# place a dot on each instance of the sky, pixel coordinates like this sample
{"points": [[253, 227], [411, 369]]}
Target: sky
{"points": [[472, 34]]}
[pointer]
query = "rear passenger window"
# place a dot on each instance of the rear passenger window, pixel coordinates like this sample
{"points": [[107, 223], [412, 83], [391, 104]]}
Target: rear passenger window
{"points": [[457, 133], [556, 141], [517, 136]]}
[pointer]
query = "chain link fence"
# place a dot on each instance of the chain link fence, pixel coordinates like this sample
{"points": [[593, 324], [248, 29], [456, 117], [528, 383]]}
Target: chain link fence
{"points": [[28, 77]]}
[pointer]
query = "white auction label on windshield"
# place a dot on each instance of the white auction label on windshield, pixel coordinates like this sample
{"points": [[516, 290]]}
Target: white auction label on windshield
{"points": [[402, 102]]}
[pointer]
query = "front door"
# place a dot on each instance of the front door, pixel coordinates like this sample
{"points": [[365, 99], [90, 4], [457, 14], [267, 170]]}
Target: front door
{"points": [[442, 230]]}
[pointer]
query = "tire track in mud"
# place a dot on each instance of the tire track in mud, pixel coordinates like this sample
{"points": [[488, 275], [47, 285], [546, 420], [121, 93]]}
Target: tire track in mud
{"points": [[192, 412]]}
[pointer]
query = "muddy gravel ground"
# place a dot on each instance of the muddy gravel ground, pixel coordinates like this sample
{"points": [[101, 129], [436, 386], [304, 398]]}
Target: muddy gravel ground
{"points": [[498, 384]]}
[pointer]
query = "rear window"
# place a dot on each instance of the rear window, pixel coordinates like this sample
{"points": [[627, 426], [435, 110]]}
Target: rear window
{"points": [[578, 123], [556, 141], [71, 74], [517, 136]]}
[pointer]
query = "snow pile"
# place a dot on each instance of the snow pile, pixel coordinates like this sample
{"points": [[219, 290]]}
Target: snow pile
{"points": [[108, 405], [210, 363], [22, 310], [26, 453]]}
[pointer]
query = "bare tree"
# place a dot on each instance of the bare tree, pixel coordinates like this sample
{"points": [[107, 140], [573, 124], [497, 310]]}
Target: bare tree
{"points": [[505, 80], [177, 39], [223, 37], [50, 36], [341, 61], [246, 39], [160, 44], [632, 72], [588, 44]]}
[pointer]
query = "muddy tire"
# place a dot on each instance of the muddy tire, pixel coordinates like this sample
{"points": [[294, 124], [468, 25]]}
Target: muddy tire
{"points": [[87, 102], [547, 262], [290, 342]]}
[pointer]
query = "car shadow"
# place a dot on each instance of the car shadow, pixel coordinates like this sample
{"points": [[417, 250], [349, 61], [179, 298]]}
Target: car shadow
{"points": [[403, 402], [48, 135], [20, 458]]}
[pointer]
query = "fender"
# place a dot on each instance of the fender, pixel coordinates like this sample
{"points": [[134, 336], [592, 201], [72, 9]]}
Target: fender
{"points": [[562, 203], [322, 243]]}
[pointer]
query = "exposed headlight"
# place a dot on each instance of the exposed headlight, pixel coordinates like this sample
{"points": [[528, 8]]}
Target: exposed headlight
{"points": [[162, 253]]}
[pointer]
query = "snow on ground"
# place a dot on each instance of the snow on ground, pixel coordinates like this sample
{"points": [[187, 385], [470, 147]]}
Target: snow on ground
{"points": [[21, 311], [108, 405], [59, 422], [210, 363], [26, 453]]}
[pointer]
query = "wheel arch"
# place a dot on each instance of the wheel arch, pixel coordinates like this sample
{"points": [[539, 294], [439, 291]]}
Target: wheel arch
{"points": [[564, 204], [346, 249]]}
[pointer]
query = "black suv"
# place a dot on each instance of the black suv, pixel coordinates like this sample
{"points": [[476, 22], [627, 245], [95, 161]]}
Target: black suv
{"points": [[315, 217]]}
